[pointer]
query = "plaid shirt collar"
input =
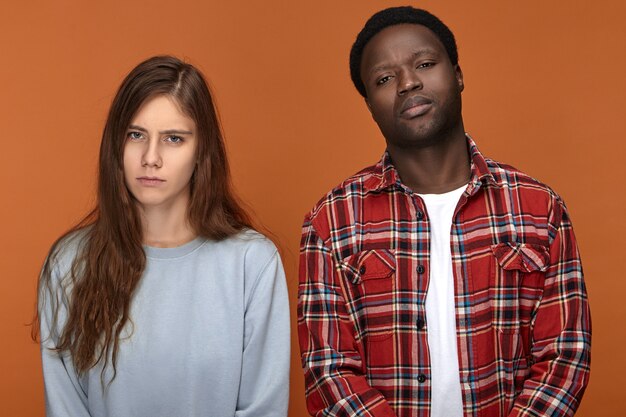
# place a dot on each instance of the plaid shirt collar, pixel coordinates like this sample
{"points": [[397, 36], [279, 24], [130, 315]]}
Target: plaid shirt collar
{"points": [[385, 175]]}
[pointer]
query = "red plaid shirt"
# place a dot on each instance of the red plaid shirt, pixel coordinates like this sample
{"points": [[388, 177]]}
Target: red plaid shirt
{"points": [[522, 317]]}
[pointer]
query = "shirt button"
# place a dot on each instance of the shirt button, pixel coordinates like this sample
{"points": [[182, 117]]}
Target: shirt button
{"points": [[420, 324], [420, 269], [362, 270], [420, 215], [421, 379]]}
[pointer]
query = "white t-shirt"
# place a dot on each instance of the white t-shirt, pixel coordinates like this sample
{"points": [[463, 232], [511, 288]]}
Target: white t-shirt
{"points": [[446, 400]]}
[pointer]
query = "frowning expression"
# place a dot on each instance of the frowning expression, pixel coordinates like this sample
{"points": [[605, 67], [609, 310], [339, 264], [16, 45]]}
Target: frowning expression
{"points": [[160, 154], [413, 90]]}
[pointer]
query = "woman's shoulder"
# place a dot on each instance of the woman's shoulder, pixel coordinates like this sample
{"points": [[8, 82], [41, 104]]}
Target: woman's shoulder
{"points": [[262, 265], [67, 247], [251, 241], [247, 247]]}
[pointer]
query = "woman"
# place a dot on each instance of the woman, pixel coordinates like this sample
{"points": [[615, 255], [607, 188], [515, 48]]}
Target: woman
{"points": [[164, 301]]}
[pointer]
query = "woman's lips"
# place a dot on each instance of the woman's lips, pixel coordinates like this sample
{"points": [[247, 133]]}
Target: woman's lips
{"points": [[150, 181]]}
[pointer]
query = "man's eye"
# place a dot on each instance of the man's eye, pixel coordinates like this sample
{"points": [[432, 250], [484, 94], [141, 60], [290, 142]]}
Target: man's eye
{"points": [[135, 135], [426, 65], [174, 139], [383, 80]]}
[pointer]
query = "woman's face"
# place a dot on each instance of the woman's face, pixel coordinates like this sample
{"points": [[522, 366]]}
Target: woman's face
{"points": [[160, 154]]}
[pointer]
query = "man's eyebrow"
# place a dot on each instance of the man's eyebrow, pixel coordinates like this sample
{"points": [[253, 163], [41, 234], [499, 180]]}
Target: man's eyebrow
{"points": [[416, 55], [163, 132], [425, 51]]}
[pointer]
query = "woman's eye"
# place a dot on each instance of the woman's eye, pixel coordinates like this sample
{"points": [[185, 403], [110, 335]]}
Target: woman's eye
{"points": [[135, 135], [174, 139]]}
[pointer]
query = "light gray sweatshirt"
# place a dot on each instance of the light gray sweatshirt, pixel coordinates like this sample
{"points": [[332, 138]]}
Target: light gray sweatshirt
{"points": [[209, 337]]}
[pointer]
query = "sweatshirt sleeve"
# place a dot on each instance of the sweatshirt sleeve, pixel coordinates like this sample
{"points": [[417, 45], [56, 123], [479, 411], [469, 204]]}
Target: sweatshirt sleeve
{"points": [[64, 394], [264, 388]]}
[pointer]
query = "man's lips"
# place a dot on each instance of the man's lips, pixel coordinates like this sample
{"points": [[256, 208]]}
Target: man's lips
{"points": [[414, 106], [150, 181]]}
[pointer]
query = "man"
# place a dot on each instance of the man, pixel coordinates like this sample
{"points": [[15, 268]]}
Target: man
{"points": [[437, 282]]}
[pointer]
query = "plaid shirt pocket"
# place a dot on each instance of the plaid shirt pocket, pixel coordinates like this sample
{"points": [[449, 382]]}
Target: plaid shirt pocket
{"points": [[371, 280], [516, 283], [516, 288]]}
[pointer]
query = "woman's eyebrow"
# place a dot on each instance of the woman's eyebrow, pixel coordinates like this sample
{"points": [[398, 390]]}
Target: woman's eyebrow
{"points": [[175, 132], [136, 127], [163, 132]]}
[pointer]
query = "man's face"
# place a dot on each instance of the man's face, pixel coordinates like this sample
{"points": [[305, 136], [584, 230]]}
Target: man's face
{"points": [[413, 90]]}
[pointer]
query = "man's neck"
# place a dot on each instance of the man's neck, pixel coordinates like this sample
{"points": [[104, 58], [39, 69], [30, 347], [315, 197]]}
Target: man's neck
{"points": [[436, 169]]}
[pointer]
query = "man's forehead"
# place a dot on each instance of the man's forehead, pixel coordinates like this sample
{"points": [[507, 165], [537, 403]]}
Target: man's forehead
{"points": [[404, 32], [416, 39]]}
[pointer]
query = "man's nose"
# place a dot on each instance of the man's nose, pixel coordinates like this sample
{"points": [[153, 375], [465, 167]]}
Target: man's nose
{"points": [[409, 80]]}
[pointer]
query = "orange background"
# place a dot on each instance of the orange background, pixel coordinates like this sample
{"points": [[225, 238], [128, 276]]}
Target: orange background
{"points": [[544, 92]]}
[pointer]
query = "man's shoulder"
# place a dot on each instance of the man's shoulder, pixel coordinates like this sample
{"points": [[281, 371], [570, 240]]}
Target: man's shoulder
{"points": [[511, 179], [501, 175], [509, 176], [356, 185]]}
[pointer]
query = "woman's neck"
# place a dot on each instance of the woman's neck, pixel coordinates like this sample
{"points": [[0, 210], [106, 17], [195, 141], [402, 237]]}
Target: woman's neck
{"points": [[166, 227]]}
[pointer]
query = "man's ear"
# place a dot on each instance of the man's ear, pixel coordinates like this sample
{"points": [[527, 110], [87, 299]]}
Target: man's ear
{"points": [[459, 76]]}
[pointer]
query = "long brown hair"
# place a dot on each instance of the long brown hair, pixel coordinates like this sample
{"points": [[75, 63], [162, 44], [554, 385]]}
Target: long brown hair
{"points": [[97, 290]]}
